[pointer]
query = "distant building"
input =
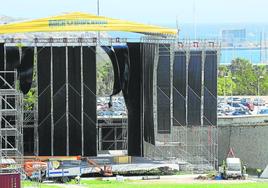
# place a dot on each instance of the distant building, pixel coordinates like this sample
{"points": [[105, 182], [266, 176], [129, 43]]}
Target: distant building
{"points": [[233, 37]]}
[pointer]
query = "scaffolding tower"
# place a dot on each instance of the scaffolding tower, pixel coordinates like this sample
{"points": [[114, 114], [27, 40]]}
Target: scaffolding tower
{"points": [[112, 133], [11, 118], [194, 145]]}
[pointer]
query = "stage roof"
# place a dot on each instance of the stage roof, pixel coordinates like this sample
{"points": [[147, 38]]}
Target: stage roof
{"points": [[78, 21]]}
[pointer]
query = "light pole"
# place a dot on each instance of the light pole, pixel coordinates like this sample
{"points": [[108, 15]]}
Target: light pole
{"points": [[233, 78], [258, 89], [224, 91], [98, 13], [98, 7]]}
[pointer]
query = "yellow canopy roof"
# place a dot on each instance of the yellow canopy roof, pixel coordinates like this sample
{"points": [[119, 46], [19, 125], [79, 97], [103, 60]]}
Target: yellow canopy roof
{"points": [[77, 21]]}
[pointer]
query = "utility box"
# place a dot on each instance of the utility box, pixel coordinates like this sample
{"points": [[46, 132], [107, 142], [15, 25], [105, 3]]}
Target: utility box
{"points": [[10, 181], [122, 159]]}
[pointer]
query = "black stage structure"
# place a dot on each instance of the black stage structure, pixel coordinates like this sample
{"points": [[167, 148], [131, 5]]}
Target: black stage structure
{"points": [[169, 87]]}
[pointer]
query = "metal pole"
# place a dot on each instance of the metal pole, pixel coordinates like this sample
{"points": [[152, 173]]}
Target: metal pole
{"points": [[67, 102], [51, 101], [98, 7], [186, 97], [36, 136], [82, 100], [98, 13]]}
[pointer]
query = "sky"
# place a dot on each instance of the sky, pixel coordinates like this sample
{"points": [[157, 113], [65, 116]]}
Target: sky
{"points": [[146, 11]]}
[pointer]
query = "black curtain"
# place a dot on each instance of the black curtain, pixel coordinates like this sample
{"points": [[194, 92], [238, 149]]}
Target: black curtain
{"points": [[179, 89], [134, 100], [117, 82], [122, 57], [163, 89], [210, 89], [59, 100], [148, 72], [25, 69], [44, 89], [74, 70], [12, 62], [194, 88], [2, 59], [90, 114]]}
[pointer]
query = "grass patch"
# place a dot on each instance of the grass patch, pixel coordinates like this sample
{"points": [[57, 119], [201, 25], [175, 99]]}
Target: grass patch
{"points": [[26, 184], [146, 184]]}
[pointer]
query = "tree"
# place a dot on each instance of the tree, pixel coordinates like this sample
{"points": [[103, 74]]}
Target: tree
{"points": [[226, 86], [242, 78], [245, 76]]}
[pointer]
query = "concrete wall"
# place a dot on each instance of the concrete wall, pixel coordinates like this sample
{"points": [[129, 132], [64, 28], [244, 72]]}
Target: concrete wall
{"points": [[248, 136]]}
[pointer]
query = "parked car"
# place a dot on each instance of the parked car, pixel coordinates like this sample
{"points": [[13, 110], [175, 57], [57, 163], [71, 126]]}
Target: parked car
{"points": [[238, 106], [259, 102], [263, 111], [233, 100], [240, 113], [225, 107], [248, 103]]}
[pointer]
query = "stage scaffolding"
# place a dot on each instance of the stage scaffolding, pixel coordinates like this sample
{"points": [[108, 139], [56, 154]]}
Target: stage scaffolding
{"points": [[196, 145], [11, 118], [112, 133]]}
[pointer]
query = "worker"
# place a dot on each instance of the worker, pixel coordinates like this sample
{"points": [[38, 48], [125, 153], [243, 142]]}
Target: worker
{"points": [[224, 169], [259, 171], [77, 179], [244, 170]]}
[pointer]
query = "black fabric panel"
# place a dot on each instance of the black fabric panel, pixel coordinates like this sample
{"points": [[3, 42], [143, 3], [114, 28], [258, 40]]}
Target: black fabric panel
{"points": [[28, 141], [25, 69], [12, 62], [12, 58], [59, 100], [90, 114], [44, 115], [179, 89], [74, 69], [148, 71], [134, 102], [2, 62], [123, 64], [210, 90], [2, 58], [163, 89], [194, 88], [117, 83]]}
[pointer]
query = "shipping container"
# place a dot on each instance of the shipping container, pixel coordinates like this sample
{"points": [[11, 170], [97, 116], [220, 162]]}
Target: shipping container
{"points": [[10, 181]]}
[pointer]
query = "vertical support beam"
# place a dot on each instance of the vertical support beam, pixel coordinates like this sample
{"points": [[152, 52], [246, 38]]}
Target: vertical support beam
{"points": [[4, 97], [35, 72], [202, 130], [82, 100], [203, 54], [155, 89], [67, 101], [217, 128], [186, 96], [171, 52], [51, 101], [142, 99]]}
